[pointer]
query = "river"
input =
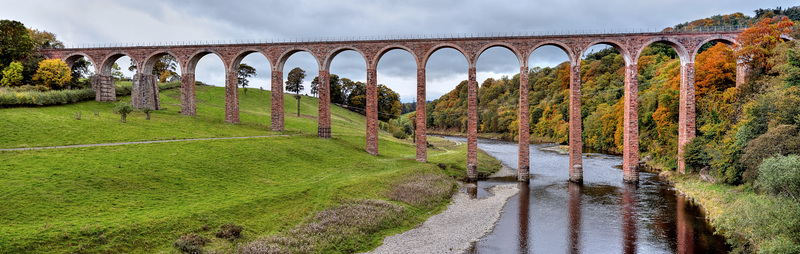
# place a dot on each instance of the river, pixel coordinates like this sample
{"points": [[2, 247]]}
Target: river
{"points": [[602, 215]]}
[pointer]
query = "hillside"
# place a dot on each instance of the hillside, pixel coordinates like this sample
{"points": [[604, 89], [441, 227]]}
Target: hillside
{"points": [[141, 198]]}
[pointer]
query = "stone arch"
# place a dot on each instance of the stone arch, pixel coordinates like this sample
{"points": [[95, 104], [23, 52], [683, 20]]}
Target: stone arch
{"points": [[626, 55], [109, 61], [570, 54], [288, 53], [333, 53], [388, 48], [195, 58], [244, 53], [514, 50], [72, 57], [727, 41], [437, 47], [683, 53], [151, 59]]}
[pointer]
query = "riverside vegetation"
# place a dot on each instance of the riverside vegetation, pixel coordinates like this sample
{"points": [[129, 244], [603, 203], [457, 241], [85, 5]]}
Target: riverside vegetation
{"points": [[739, 129], [293, 193]]}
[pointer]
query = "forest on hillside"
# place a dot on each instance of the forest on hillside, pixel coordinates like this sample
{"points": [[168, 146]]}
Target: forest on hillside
{"points": [[728, 118]]}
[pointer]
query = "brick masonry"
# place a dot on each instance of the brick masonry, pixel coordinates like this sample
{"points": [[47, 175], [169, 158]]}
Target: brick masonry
{"points": [[630, 45], [523, 172], [324, 127]]}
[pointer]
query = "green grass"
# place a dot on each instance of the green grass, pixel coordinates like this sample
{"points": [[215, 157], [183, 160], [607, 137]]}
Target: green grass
{"points": [[140, 198]]}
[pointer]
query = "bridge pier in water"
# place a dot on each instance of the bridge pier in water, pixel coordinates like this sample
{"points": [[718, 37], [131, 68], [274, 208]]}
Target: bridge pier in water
{"points": [[523, 169], [575, 129], [630, 152]]}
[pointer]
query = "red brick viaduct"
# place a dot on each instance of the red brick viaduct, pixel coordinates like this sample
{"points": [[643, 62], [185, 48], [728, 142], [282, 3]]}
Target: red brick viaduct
{"points": [[630, 45]]}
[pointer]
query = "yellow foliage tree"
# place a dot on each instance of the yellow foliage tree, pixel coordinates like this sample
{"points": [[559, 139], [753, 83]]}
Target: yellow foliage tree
{"points": [[52, 73]]}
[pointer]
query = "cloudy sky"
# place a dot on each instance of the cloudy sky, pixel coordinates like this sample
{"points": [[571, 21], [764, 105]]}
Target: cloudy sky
{"points": [[100, 21]]}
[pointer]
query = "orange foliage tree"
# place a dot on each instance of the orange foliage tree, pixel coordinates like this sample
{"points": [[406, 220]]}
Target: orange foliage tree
{"points": [[715, 70], [757, 42]]}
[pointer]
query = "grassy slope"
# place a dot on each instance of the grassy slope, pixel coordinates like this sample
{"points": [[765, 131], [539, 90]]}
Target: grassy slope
{"points": [[139, 198]]}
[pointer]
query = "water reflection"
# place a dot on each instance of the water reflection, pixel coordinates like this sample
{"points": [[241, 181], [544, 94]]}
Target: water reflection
{"points": [[685, 232], [574, 217], [524, 205], [602, 215], [629, 218]]}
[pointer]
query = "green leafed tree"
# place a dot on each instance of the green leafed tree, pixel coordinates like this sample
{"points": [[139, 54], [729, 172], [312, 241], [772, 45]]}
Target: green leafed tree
{"points": [[12, 75], [15, 43], [245, 72], [294, 83]]}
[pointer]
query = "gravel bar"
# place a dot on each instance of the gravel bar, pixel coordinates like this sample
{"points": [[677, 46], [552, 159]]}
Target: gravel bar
{"points": [[465, 220]]}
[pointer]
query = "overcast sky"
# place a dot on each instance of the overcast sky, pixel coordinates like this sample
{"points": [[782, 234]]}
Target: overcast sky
{"points": [[100, 21]]}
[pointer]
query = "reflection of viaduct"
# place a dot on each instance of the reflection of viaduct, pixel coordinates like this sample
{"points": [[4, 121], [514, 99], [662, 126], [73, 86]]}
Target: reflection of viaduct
{"points": [[630, 45]]}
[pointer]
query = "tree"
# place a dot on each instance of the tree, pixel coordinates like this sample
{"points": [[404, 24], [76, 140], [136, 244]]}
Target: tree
{"points": [[123, 108], [15, 43], [758, 41], [12, 75], [52, 73], [294, 83], [245, 71], [315, 86], [716, 70], [44, 39], [389, 106], [116, 72]]}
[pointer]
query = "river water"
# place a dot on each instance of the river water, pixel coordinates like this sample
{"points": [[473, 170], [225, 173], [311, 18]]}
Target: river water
{"points": [[602, 215]]}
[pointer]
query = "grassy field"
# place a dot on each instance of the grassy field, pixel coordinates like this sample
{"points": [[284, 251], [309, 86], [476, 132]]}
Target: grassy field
{"points": [[141, 198]]}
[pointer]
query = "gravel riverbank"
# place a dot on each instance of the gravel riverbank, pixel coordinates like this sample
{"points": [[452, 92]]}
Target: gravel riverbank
{"points": [[465, 220]]}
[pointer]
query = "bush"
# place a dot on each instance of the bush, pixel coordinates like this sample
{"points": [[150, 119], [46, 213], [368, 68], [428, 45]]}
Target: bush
{"points": [[780, 140], [10, 98], [780, 176], [400, 134], [191, 243], [695, 156], [230, 231]]}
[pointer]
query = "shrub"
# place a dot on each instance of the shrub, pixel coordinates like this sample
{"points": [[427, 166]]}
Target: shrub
{"points": [[780, 140], [400, 134], [230, 231], [695, 156], [780, 176], [9, 98], [191, 243], [123, 108]]}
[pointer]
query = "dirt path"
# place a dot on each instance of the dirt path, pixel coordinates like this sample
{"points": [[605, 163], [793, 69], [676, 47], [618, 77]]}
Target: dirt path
{"points": [[138, 142]]}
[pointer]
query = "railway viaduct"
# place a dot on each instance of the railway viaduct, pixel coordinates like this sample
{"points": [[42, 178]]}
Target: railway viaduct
{"points": [[630, 45]]}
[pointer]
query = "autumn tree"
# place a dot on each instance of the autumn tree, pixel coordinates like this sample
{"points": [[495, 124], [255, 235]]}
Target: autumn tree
{"points": [[44, 39], [245, 72], [294, 83], [757, 42], [715, 70], [52, 73], [12, 75], [116, 72]]}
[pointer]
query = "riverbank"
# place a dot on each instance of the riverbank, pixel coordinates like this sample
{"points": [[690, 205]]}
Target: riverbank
{"points": [[471, 218], [751, 222]]}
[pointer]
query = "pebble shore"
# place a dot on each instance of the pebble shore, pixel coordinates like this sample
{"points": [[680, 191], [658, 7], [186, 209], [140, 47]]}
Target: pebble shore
{"points": [[465, 221]]}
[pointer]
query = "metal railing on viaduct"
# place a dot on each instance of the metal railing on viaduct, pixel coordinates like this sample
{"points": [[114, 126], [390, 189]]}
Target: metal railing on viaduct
{"points": [[630, 45]]}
